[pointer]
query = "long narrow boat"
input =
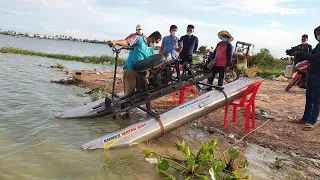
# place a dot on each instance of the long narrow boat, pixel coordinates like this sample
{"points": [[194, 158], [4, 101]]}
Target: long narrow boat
{"points": [[90, 110], [153, 128]]}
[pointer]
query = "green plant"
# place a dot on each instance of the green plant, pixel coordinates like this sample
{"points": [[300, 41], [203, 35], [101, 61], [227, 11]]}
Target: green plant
{"points": [[278, 164], [202, 49], [98, 93], [84, 59], [59, 66], [196, 59], [265, 61], [70, 81], [267, 73], [205, 163]]}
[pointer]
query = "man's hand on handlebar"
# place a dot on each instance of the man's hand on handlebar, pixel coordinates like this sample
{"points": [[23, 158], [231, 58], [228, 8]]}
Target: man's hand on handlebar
{"points": [[110, 43]]}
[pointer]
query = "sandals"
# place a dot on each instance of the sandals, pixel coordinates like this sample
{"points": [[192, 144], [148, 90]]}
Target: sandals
{"points": [[299, 121], [308, 127]]}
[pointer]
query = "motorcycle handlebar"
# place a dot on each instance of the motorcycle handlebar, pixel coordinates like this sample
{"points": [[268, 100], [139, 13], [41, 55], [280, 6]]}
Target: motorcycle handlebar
{"points": [[114, 49]]}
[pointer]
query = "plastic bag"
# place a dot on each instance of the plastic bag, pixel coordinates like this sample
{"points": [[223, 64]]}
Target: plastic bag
{"points": [[289, 71], [212, 63], [242, 64]]}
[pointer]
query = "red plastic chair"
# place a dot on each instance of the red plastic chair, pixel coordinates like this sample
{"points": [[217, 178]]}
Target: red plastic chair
{"points": [[182, 93], [244, 103]]}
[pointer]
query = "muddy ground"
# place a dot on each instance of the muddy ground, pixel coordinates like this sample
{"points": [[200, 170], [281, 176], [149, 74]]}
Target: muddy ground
{"points": [[278, 106]]}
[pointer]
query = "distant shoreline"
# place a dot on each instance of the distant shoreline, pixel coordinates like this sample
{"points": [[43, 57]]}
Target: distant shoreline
{"points": [[84, 59], [60, 38]]}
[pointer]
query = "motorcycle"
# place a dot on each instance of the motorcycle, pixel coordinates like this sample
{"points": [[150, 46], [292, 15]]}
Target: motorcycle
{"points": [[207, 55], [300, 77]]}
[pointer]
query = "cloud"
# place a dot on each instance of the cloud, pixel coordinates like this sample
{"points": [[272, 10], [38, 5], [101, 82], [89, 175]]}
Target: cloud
{"points": [[272, 24], [109, 19], [209, 7], [72, 31], [250, 7], [18, 13], [143, 2], [50, 30], [53, 3]]}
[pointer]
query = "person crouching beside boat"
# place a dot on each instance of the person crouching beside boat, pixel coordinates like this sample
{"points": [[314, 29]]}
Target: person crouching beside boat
{"points": [[143, 47], [223, 56]]}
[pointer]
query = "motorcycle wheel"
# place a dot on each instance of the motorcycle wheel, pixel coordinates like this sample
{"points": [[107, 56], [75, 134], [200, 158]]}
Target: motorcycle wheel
{"points": [[292, 83]]}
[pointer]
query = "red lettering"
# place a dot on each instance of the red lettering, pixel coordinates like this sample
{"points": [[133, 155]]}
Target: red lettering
{"points": [[128, 131]]}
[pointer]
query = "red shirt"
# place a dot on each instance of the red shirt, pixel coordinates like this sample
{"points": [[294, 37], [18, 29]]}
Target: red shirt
{"points": [[221, 55], [134, 34]]}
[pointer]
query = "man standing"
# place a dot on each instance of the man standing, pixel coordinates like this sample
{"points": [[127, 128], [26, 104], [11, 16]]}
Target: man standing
{"points": [[142, 49], [304, 46], [190, 45], [311, 112], [170, 43], [139, 31]]}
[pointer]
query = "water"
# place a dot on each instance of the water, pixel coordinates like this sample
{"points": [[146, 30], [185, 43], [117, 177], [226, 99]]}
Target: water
{"points": [[35, 145], [57, 46]]}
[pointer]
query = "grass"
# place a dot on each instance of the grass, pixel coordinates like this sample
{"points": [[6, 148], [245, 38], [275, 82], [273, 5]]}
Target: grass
{"points": [[265, 73], [84, 59]]}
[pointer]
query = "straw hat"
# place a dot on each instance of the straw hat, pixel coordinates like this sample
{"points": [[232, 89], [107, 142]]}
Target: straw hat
{"points": [[224, 32]]}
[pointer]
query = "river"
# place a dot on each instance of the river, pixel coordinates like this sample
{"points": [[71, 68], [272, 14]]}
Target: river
{"points": [[36, 145]]}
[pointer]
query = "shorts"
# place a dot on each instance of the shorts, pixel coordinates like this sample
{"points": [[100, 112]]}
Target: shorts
{"points": [[129, 81]]}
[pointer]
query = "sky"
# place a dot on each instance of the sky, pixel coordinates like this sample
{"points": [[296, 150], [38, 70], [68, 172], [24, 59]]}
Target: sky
{"points": [[273, 24]]}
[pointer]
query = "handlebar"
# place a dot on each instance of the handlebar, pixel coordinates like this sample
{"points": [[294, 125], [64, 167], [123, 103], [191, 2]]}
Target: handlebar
{"points": [[117, 50]]}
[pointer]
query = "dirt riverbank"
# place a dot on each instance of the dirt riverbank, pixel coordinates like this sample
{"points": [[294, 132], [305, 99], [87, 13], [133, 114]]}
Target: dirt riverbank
{"points": [[272, 102]]}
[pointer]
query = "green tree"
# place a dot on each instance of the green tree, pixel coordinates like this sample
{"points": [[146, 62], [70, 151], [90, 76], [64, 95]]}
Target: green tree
{"points": [[202, 49], [265, 60]]}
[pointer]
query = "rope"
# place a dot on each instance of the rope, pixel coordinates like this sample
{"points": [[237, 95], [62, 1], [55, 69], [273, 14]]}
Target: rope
{"points": [[161, 127], [246, 136], [225, 96]]}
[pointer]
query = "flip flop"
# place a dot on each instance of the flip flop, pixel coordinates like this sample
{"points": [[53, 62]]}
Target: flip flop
{"points": [[299, 121], [308, 127]]}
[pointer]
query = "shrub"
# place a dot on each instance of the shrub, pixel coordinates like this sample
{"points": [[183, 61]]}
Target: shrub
{"points": [[265, 61]]}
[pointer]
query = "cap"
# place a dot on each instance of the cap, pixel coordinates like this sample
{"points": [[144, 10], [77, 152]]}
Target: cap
{"points": [[139, 26]]}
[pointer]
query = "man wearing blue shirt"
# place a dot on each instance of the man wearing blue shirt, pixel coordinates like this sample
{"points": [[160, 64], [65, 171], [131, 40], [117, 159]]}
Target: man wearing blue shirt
{"points": [[190, 45], [170, 43], [143, 47]]}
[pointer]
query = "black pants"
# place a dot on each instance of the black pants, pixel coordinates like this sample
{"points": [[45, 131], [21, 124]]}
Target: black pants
{"points": [[312, 108], [142, 83], [214, 71], [186, 59]]}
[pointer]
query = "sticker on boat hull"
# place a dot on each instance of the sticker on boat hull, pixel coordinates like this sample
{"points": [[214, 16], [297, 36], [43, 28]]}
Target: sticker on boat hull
{"points": [[193, 102], [110, 140]]}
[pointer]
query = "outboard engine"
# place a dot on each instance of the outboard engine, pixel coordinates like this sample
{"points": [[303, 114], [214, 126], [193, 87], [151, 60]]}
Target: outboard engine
{"points": [[160, 77], [154, 69]]}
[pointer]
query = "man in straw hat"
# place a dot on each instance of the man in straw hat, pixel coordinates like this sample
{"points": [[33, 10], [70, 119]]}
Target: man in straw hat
{"points": [[222, 54]]}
